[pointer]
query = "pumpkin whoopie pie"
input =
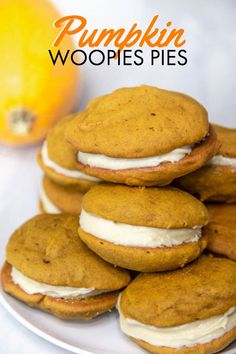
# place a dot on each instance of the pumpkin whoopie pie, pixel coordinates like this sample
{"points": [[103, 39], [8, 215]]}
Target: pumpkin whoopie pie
{"points": [[142, 136], [221, 230], [57, 158], [143, 229], [216, 181], [55, 198], [48, 267], [187, 311]]}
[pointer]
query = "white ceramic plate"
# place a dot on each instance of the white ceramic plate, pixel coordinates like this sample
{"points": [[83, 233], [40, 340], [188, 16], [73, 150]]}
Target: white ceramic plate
{"points": [[99, 336]]}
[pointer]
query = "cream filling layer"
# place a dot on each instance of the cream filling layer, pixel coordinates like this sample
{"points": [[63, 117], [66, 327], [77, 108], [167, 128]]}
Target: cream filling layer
{"points": [[62, 170], [221, 160], [31, 287], [48, 205], [112, 163], [136, 236], [188, 335]]}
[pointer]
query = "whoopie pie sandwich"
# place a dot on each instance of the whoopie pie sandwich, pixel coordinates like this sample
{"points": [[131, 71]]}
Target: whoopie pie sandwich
{"points": [[221, 230], [48, 267], [55, 198], [142, 136], [57, 158], [216, 181], [187, 311], [143, 229]]}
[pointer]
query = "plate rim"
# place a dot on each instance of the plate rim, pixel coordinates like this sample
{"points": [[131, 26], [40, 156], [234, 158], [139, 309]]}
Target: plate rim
{"points": [[46, 336], [38, 331]]}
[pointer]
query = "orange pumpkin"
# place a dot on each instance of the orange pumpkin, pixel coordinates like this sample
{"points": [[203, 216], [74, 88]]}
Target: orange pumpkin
{"points": [[34, 92]]}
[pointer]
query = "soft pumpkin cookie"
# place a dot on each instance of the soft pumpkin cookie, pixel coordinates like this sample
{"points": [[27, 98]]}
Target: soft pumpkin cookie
{"points": [[221, 230], [216, 181], [56, 198], [57, 158], [142, 136], [143, 229], [50, 268], [187, 311]]}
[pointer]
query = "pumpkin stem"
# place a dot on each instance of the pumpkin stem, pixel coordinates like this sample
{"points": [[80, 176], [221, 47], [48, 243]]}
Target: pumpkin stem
{"points": [[20, 120]]}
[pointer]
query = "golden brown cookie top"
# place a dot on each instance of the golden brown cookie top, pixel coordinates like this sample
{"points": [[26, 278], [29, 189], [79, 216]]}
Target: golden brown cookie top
{"points": [[222, 213], [65, 197], [47, 248], [155, 207], [138, 122], [59, 150], [201, 290], [227, 139], [221, 229]]}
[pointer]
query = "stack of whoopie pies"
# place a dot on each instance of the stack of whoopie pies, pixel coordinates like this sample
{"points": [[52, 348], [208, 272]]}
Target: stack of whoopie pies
{"points": [[108, 172], [63, 185], [215, 184]]}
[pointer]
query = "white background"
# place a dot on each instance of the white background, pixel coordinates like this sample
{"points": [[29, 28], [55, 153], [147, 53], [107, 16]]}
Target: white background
{"points": [[209, 76]]}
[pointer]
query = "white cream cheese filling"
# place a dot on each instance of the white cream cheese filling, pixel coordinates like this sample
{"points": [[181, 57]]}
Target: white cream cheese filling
{"points": [[62, 170], [136, 236], [188, 335], [221, 160], [48, 206], [31, 287], [112, 163]]}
